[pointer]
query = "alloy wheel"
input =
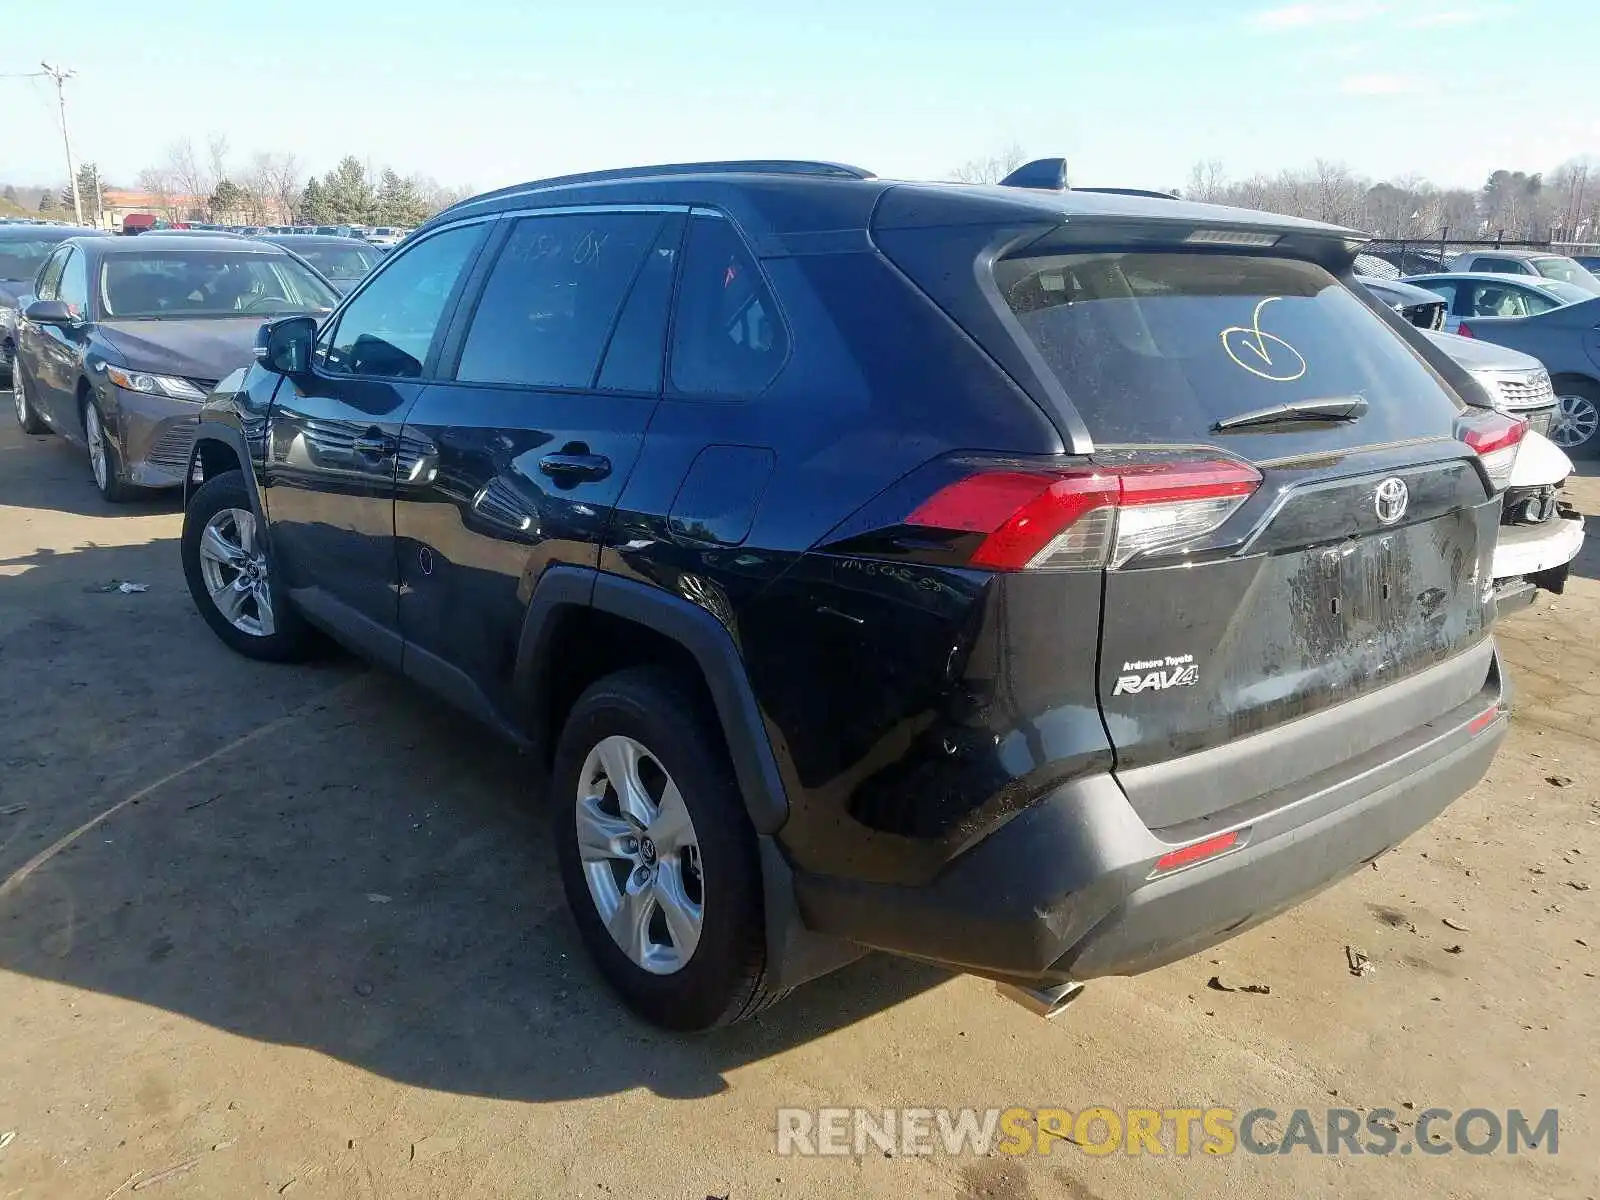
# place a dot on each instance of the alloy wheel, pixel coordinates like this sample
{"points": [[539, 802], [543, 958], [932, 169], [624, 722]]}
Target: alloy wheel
{"points": [[1577, 421], [95, 435], [19, 398], [235, 572], [640, 855]]}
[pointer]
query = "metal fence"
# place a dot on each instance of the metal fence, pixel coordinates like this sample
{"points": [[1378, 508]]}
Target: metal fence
{"points": [[1391, 258]]}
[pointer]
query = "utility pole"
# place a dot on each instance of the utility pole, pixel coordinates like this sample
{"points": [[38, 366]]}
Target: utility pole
{"points": [[61, 75]]}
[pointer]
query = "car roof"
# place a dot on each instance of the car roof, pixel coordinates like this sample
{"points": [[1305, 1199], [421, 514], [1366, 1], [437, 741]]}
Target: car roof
{"points": [[179, 240], [311, 239], [66, 231], [1517, 253], [1409, 292], [780, 198], [1533, 281]]}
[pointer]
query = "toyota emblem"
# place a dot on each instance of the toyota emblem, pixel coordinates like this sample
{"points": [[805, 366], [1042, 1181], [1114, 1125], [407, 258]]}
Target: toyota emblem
{"points": [[1390, 500]]}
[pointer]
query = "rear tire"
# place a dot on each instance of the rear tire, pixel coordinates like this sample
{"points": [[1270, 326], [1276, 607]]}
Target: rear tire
{"points": [[221, 559], [29, 420], [661, 728]]}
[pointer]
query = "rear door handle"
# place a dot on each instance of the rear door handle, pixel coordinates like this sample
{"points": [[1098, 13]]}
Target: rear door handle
{"points": [[571, 468]]}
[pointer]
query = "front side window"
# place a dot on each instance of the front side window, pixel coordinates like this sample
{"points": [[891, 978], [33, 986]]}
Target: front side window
{"points": [[1499, 266], [74, 286], [390, 327], [553, 297], [49, 281], [727, 338], [161, 284]]}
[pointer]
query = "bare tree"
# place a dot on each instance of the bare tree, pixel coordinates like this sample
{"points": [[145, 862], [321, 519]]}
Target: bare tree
{"points": [[1208, 183], [158, 184], [282, 183], [187, 176], [216, 160], [992, 169]]}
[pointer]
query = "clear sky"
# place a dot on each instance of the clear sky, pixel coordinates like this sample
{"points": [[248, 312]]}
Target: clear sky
{"points": [[1132, 92]]}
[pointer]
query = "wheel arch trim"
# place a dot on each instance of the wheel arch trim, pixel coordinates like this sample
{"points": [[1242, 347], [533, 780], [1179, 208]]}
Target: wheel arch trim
{"points": [[707, 641]]}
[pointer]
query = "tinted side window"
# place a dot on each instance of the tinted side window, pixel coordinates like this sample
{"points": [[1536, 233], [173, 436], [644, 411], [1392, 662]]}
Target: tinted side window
{"points": [[74, 287], [553, 296], [727, 339], [1500, 266], [638, 344], [388, 329], [50, 275]]}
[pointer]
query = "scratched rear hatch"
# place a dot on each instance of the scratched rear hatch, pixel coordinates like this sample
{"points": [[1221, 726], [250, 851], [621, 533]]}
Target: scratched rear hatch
{"points": [[1360, 562]]}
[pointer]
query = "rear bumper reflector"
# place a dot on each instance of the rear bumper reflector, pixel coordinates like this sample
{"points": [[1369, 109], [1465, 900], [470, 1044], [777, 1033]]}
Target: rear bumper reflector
{"points": [[1187, 856]]}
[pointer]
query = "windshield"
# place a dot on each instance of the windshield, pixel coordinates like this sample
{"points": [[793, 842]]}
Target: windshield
{"points": [[340, 262], [1158, 347], [210, 284], [1567, 271], [22, 258]]}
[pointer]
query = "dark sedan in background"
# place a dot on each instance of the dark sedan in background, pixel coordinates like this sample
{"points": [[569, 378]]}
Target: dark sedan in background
{"points": [[23, 249], [127, 335], [342, 261], [1567, 341]]}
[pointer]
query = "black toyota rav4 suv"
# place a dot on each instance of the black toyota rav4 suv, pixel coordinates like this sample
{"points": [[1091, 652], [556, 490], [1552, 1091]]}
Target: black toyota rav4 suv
{"points": [[1042, 583]]}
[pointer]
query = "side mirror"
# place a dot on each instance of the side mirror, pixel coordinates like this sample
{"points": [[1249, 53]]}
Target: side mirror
{"points": [[51, 312], [285, 346]]}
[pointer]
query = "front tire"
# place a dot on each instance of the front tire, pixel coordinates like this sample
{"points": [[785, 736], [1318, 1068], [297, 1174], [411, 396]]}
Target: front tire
{"points": [[658, 856], [30, 421], [230, 577], [105, 460]]}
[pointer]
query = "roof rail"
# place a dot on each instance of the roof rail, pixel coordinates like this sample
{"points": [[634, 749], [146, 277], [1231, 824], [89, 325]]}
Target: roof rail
{"points": [[741, 166], [1149, 193]]}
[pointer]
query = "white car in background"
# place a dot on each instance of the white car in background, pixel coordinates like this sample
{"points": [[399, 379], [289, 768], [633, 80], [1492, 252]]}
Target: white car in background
{"points": [[1540, 534]]}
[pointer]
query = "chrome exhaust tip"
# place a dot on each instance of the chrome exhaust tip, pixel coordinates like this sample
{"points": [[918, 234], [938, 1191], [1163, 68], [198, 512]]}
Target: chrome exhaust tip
{"points": [[1041, 1002]]}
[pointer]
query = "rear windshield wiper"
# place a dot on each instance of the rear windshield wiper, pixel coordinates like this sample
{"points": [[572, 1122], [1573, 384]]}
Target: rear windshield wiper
{"points": [[1328, 408]]}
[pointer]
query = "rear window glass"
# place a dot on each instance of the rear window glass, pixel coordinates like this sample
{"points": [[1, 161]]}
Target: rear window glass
{"points": [[1153, 347]]}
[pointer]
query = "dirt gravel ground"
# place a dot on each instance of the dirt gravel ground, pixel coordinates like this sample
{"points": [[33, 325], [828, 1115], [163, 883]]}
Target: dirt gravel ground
{"points": [[297, 931]]}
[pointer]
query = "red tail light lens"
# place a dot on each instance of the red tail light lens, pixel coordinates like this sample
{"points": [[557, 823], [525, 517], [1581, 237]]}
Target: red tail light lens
{"points": [[1091, 516], [1465, 330], [1186, 856], [1495, 438]]}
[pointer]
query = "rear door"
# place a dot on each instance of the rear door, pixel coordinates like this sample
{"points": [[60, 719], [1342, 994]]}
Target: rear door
{"points": [[1360, 560], [515, 461], [334, 439]]}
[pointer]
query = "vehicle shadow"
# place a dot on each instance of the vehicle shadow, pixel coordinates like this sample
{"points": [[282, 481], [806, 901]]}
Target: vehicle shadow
{"points": [[327, 857], [49, 473], [1588, 561]]}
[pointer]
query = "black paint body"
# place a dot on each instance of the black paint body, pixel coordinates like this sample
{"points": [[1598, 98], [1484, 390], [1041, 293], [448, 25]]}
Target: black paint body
{"points": [[890, 714]]}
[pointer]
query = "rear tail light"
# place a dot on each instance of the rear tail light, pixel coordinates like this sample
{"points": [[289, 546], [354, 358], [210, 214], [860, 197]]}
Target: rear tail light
{"points": [[1465, 330], [1089, 516], [1495, 438]]}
